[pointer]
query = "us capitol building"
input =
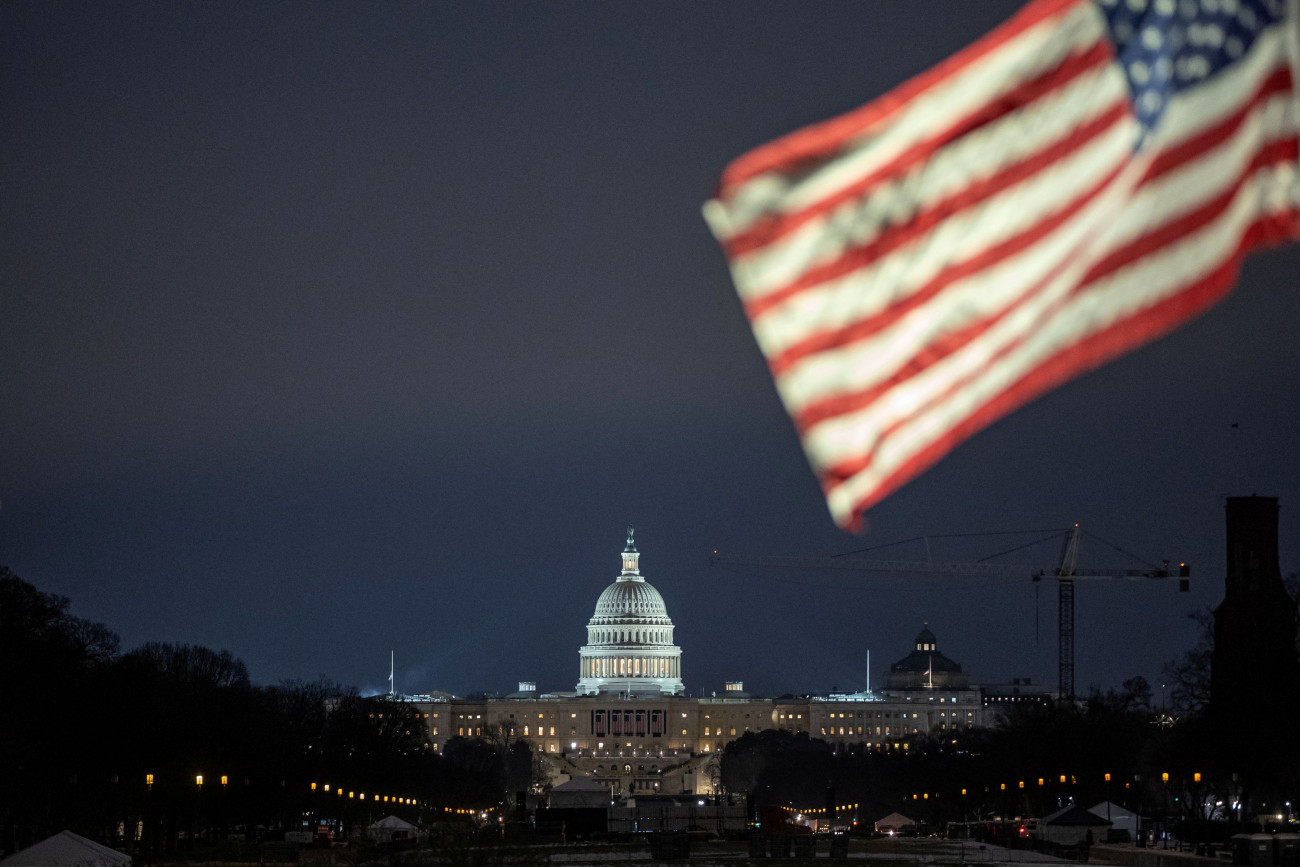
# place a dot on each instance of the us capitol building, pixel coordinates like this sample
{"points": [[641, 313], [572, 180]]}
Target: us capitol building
{"points": [[628, 723]]}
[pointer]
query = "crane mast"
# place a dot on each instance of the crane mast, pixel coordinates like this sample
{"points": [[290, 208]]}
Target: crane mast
{"points": [[1065, 614]]}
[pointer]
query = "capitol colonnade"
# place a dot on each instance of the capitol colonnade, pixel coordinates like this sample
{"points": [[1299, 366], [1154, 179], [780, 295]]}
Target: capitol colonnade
{"points": [[605, 667]]}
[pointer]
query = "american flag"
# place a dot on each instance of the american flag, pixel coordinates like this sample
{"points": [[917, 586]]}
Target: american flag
{"points": [[1081, 180]]}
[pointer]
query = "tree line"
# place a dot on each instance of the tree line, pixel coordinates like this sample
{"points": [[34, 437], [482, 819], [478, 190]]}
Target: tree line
{"points": [[169, 742]]}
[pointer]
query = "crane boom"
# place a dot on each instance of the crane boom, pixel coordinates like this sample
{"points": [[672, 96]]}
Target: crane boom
{"points": [[1065, 574]]}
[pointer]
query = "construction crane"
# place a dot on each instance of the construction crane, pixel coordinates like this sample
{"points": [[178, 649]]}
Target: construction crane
{"points": [[1065, 574]]}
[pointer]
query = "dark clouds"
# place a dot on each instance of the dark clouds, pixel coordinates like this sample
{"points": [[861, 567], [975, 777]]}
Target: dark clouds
{"points": [[330, 329]]}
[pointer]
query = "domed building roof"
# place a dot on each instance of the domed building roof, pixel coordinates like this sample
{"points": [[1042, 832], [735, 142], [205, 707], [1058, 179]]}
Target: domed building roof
{"points": [[630, 637], [630, 599], [926, 668]]}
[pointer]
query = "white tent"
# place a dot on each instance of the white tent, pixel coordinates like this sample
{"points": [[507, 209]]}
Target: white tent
{"points": [[580, 792], [1121, 818], [1072, 825], [894, 822], [66, 849], [391, 828]]}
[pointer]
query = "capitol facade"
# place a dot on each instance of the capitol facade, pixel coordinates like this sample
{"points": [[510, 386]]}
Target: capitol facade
{"points": [[629, 725]]}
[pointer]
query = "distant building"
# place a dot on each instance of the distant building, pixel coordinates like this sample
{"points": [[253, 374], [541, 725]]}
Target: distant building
{"points": [[926, 668], [1254, 660], [628, 727], [1254, 667], [1020, 692]]}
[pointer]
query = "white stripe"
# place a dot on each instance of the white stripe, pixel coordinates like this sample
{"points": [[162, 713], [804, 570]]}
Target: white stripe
{"points": [[865, 363], [960, 163], [1032, 52], [1155, 277]]}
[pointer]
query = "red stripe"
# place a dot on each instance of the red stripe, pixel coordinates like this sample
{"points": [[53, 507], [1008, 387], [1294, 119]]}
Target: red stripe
{"points": [[1086, 355], [863, 256], [815, 143], [1275, 152], [775, 226]]}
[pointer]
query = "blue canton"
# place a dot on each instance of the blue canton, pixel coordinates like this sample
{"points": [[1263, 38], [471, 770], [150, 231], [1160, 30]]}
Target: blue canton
{"points": [[1166, 46]]}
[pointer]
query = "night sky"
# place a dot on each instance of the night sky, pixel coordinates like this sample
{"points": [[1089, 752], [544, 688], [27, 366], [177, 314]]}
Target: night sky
{"points": [[333, 329]]}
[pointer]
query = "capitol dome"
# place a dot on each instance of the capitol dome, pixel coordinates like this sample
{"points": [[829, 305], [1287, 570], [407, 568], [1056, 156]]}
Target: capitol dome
{"points": [[628, 598], [629, 645]]}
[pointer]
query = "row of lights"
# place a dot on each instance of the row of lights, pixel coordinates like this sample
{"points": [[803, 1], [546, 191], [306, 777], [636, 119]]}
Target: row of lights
{"points": [[822, 810], [1042, 781], [361, 796], [198, 780]]}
